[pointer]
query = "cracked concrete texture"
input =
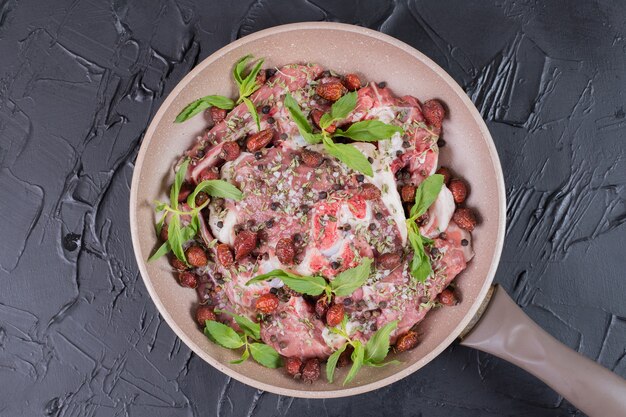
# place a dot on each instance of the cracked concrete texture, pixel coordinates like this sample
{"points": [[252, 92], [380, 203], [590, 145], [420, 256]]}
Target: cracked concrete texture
{"points": [[80, 80]]}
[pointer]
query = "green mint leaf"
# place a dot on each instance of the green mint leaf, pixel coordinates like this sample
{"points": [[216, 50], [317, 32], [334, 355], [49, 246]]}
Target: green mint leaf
{"points": [[300, 120], [350, 156], [249, 85], [357, 361], [265, 355], [380, 365], [178, 182], [175, 237], [163, 249], [253, 112], [159, 205], [426, 194], [240, 67], [254, 329], [310, 285], [369, 131], [377, 347], [204, 103], [331, 364], [223, 335], [244, 357], [342, 107], [349, 280], [326, 120], [419, 267], [215, 188]]}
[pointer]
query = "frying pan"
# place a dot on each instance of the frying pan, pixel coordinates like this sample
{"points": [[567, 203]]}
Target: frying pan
{"points": [[486, 319]]}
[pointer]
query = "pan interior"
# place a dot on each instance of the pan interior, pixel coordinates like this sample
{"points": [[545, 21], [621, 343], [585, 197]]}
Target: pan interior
{"points": [[469, 151]]}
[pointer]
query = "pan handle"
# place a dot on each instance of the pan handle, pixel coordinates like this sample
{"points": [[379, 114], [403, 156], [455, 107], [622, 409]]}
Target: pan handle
{"points": [[504, 330]]}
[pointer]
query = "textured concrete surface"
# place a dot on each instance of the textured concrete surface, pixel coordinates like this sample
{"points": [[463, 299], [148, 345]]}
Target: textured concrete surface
{"points": [[80, 80]]}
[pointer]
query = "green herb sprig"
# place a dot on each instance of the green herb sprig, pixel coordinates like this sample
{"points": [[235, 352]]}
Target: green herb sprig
{"points": [[176, 234], [373, 353], [344, 284], [245, 83], [425, 196], [363, 131], [249, 338]]}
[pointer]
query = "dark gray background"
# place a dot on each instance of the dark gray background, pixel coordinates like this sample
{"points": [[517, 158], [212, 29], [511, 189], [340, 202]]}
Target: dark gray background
{"points": [[79, 82]]}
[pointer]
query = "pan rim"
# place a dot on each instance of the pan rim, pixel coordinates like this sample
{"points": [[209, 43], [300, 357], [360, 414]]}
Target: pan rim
{"points": [[498, 244]]}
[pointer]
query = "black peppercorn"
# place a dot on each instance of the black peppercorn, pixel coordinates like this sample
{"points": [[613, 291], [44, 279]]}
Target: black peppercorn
{"points": [[441, 143], [271, 120], [265, 109], [360, 178], [464, 242], [283, 136], [379, 216], [382, 84], [406, 144], [220, 224], [258, 155], [322, 195], [274, 206], [335, 265]]}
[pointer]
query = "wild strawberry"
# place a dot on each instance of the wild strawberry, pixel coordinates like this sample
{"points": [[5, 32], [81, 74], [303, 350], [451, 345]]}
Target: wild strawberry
{"points": [[196, 256], [230, 151], [260, 140], [178, 264], [321, 307], [311, 159], [217, 114], [245, 242], [458, 188], [188, 279], [204, 313], [407, 341], [448, 298], [352, 82], [267, 303], [209, 174], [465, 219], [407, 192], [334, 315], [293, 366], [224, 255], [311, 370], [331, 91], [285, 251], [433, 112]]}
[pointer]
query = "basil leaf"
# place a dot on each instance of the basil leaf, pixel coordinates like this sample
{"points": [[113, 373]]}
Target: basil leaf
{"points": [[350, 156], [426, 194], [253, 112], [163, 249], [349, 280], [175, 238], [342, 107], [357, 361], [302, 284], [240, 67], [204, 103], [244, 357], [223, 335], [178, 182], [215, 188], [331, 364], [159, 205], [265, 355], [300, 120], [369, 131], [254, 329], [377, 347]]}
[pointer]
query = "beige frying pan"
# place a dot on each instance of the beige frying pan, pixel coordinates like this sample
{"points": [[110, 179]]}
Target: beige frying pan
{"points": [[486, 319]]}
